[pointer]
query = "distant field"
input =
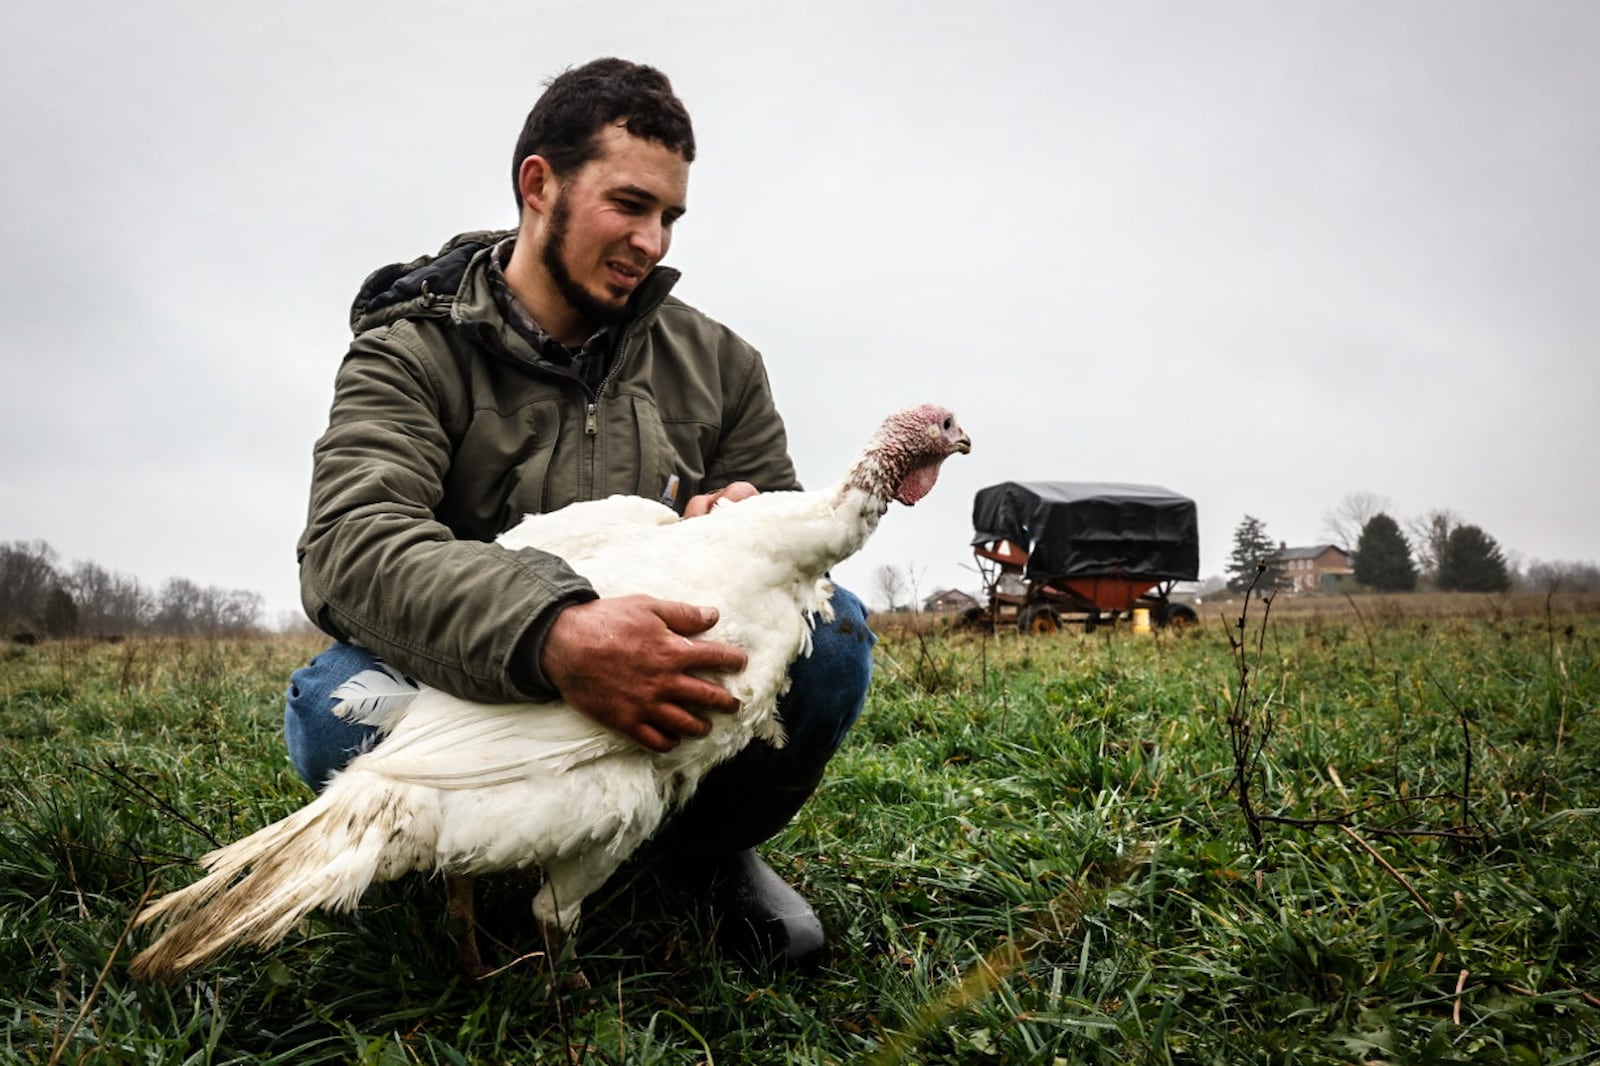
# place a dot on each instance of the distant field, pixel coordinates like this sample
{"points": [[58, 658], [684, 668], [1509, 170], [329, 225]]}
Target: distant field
{"points": [[1488, 606], [1374, 606], [1030, 850]]}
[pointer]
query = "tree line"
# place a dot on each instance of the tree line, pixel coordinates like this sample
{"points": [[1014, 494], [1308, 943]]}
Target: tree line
{"points": [[1441, 552], [39, 597]]}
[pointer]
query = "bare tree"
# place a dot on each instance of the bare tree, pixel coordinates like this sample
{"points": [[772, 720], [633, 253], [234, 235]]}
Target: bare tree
{"points": [[240, 612], [176, 606], [90, 584], [184, 609], [108, 604], [890, 582], [1554, 576], [27, 576], [1343, 525], [1430, 537], [38, 597]]}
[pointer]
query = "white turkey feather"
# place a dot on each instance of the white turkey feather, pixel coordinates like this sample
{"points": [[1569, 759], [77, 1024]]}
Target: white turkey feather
{"points": [[376, 696], [566, 531], [466, 788]]}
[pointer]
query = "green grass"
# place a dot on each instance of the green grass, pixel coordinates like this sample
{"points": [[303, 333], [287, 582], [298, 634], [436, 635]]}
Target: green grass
{"points": [[1028, 851]]}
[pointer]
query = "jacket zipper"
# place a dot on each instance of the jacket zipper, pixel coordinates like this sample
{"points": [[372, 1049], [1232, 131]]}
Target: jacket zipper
{"points": [[591, 416]]}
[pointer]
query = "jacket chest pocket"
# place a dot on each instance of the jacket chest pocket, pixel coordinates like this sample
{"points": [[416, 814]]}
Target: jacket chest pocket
{"points": [[501, 470], [635, 455]]}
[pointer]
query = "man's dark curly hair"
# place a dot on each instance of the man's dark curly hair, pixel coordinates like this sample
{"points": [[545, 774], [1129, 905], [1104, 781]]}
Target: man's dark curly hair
{"points": [[577, 104]]}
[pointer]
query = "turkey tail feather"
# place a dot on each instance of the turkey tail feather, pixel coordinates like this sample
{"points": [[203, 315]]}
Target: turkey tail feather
{"points": [[255, 890]]}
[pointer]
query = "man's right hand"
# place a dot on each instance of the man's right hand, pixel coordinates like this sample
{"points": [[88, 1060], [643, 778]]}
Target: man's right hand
{"points": [[626, 662]]}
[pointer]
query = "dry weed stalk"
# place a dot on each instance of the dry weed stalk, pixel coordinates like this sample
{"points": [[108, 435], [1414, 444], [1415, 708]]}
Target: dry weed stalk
{"points": [[1250, 722]]}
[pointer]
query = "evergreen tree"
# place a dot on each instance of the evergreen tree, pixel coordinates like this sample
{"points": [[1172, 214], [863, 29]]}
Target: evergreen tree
{"points": [[1253, 549], [1472, 562], [60, 613], [1383, 556]]}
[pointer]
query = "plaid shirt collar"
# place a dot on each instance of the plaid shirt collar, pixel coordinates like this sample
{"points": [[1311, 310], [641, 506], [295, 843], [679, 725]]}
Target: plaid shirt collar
{"points": [[587, 364]]}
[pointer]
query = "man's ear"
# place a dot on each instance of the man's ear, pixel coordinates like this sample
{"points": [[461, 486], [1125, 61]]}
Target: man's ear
{"points": [[537, 183]]}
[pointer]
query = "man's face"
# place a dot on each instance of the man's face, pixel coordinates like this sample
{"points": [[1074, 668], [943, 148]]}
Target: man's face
{"points": [[611, 222]]}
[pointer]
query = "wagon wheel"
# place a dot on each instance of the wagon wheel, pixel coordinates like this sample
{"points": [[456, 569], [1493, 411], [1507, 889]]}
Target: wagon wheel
{"points": [[973, 618], [1038, 618], [1177, 616]]}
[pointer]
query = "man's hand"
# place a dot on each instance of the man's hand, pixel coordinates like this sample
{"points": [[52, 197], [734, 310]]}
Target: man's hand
{"points": [[733, 493], [625, 662]]}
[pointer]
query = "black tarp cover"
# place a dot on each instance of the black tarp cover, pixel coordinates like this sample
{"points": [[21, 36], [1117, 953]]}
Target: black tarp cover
{"points": [[1085, 529]]}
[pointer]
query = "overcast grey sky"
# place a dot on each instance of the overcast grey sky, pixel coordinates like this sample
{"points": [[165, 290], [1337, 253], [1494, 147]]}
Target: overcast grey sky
{"points": [[1262, 253]]}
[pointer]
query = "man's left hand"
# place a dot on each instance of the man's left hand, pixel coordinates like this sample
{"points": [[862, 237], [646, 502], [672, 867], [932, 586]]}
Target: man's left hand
{"points": [[732, 493]]}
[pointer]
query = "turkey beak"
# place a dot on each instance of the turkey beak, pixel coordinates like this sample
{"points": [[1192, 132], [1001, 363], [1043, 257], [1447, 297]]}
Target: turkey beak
{"points": [[963, 444]]}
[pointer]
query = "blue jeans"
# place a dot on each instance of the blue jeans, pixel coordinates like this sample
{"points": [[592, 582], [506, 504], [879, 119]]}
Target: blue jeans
{"points": [[739, 804]]}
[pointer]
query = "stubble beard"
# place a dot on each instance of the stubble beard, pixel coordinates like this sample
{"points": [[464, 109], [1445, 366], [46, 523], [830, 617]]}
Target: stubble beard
{"points": [[594, 311]]}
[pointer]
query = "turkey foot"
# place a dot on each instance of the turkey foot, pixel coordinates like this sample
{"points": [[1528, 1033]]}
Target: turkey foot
{"points": [[461, 904]]}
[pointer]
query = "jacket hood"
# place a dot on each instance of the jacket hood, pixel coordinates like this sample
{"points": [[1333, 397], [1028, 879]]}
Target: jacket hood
{"points": [[429, 285]]}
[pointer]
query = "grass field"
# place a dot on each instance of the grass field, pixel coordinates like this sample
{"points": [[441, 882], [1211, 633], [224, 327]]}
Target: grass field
{"points": [[1030, 850]]}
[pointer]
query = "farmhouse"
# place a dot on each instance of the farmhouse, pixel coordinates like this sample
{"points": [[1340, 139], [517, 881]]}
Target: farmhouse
{"points": [[1314, 569], [949, 600]]}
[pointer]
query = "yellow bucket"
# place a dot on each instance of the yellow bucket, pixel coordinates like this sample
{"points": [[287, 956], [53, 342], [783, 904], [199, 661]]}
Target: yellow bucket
{"points": [[1141, 619]]}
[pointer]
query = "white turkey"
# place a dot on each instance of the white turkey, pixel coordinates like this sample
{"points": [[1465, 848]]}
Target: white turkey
{"points": [[467, 788]]}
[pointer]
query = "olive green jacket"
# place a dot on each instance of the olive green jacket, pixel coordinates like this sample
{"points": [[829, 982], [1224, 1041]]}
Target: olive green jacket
{"points": [[447, 427]]}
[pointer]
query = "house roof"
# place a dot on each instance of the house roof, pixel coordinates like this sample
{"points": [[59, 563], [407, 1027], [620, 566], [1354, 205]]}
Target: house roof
{"points": [[1308, 553]]}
